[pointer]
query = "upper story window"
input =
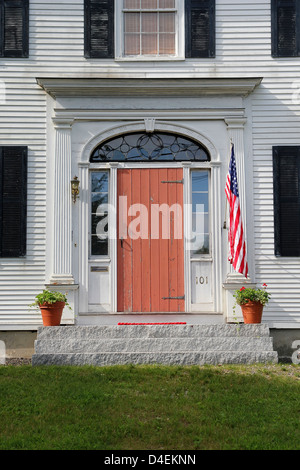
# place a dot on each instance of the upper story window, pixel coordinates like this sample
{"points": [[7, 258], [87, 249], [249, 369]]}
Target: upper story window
{"points": [[149, 29], [14, 19], [285, 28]]}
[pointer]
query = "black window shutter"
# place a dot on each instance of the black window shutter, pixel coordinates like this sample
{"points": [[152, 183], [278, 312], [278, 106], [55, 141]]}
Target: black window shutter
{"points": [[14, 28], [286, 167], [200, 28], [13, 201], [99, 28], [285, 28]]}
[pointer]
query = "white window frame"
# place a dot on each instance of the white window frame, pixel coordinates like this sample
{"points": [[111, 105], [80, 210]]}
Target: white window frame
{"points": [[119, 36]]}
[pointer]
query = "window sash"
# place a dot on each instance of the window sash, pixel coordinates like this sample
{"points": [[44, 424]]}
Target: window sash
{"points": [[149, 33], [145, 44]]}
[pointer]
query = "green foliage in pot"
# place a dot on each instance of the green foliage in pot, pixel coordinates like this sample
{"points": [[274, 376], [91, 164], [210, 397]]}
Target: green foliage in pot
{"points": [[49, 297], [246, 294]]}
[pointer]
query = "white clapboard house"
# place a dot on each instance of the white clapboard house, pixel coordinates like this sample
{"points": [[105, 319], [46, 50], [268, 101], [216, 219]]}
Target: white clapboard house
{"points": [[139, 101]]}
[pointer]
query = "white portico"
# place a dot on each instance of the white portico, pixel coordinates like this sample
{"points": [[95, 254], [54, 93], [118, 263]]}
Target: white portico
{"points": [[86, 113]]}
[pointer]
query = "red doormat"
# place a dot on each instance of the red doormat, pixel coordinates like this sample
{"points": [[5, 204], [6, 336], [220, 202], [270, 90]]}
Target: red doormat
{"points": [[171, 323]]}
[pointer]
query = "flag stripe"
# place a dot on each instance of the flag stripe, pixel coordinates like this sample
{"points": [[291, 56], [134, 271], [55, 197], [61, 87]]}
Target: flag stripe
{"points": [[237, 244]]}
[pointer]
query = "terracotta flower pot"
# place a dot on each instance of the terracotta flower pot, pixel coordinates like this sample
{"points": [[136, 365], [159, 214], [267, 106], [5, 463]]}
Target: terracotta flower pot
{"points": [[52, 313], [252, 312]]}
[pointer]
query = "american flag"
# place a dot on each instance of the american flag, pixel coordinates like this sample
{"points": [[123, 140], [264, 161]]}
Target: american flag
{"points": [[237, 245]]}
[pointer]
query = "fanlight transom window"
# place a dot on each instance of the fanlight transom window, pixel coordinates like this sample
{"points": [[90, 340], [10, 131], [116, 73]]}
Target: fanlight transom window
{"points": [[149, 147]]}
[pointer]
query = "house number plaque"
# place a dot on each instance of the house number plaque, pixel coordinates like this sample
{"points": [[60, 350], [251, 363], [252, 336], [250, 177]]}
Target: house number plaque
{"points": [[202, 280]]}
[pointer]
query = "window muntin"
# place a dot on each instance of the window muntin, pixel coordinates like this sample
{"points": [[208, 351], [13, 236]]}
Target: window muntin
{"points": [[99, 213], [200, 213]]}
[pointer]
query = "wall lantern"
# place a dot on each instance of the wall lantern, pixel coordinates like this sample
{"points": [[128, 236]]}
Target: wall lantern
{"points": [[75, 188]]}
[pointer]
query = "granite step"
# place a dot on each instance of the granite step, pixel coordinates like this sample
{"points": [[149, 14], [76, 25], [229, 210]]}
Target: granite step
{"points": [[154, 344], [182, 358], [152, 331], [170, 344]]}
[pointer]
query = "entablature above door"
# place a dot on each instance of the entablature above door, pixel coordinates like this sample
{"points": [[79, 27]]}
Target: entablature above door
{"points": [[150, 100], [176, 87]]}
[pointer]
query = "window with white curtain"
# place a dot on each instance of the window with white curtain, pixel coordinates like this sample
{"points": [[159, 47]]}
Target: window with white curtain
{"points": [[150, 28]]}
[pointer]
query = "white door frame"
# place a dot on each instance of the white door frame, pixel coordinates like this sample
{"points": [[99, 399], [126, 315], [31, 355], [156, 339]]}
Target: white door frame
{"points": [[84, 202]]}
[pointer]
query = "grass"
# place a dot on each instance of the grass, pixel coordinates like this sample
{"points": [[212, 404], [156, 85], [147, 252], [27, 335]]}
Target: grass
{"points": [[150, 408]]}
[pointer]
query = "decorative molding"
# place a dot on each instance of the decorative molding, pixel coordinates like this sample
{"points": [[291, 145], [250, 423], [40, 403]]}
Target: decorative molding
{"points": [[97, 87], [162, 126], [235, 122], [149, 125], [235, 281], [195, 113], [63, 122], [62, 287]]}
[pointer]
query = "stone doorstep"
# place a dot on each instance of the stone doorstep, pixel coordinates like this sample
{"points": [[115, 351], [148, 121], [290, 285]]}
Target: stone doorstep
{"points": [[184, 358], [169, 344], [144, 331], [154, 344]]}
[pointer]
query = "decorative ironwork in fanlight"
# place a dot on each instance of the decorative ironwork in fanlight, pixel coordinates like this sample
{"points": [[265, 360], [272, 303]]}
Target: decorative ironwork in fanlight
{"points": [[148, 147]]}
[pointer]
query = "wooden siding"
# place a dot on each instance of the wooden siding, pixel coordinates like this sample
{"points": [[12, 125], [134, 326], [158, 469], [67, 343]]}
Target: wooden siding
{"points": [[243, 48]]}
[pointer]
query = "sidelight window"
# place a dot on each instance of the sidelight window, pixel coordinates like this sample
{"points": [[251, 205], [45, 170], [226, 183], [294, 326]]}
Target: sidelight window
{"points": [[99, 213], [200, 213]]}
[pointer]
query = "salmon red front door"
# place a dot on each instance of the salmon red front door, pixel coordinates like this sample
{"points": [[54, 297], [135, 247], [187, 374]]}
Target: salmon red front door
{"points": [[150, 240]]}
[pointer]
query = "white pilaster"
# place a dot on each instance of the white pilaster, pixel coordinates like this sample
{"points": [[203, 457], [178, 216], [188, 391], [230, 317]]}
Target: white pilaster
{"points": [[235, 281], [216, 218], [62, 223], [235, 127], [83, 237]]}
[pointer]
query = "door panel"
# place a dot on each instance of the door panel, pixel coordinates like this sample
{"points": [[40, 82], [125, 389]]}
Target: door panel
{"points": [[150, 240]]}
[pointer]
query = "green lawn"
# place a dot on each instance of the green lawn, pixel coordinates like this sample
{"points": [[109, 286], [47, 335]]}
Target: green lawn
{"points": [[150, 407]]}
